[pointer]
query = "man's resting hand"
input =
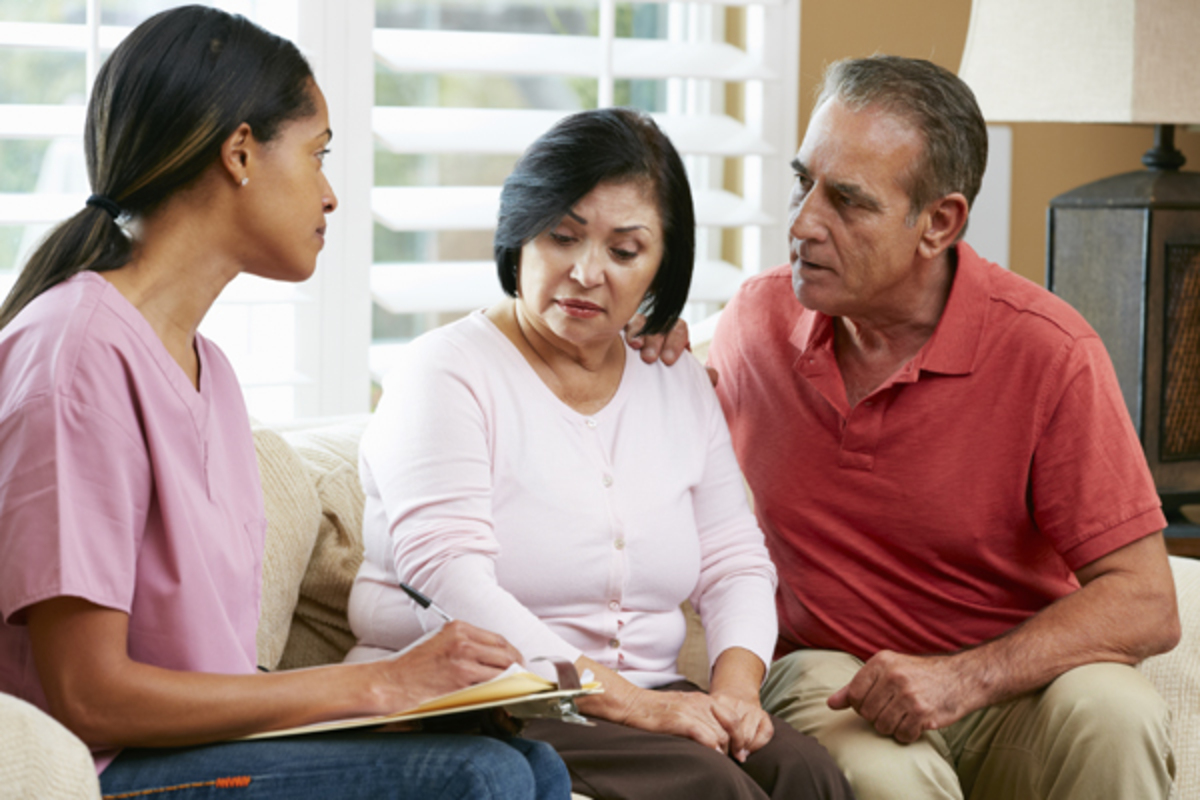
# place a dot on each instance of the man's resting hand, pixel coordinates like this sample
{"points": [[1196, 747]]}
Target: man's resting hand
{"points": [[904, 696]]}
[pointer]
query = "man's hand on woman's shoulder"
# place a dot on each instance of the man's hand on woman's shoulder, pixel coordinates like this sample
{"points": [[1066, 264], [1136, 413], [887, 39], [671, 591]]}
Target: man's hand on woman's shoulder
{"points": [[668, 346]]}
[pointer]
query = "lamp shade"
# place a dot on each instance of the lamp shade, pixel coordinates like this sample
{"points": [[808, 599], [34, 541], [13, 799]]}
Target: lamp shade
{"points": [[1085, 60]]}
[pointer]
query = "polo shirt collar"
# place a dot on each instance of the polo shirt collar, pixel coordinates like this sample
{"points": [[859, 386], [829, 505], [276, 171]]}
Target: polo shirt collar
{"points": [[955, 342], [811, 331]]}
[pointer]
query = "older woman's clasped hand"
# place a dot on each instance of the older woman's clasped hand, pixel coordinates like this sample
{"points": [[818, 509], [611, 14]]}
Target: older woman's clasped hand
{"points": [[729, 719], [688, 714], [729, 724], [748, 725]]}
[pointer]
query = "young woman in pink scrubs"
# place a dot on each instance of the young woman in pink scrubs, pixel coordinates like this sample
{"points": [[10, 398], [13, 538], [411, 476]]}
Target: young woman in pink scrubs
{"points": [[131, 517]]}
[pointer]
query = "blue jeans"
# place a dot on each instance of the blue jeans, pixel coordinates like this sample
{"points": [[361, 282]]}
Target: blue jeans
{"points": [[344, 765]]}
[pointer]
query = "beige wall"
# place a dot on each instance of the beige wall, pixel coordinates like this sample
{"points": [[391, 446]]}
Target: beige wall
{"points": [[1048, 159]]}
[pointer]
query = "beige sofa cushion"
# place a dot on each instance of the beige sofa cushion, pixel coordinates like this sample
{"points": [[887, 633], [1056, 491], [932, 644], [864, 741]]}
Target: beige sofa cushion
{"points": [[1176, 675], [319, 632], [693, 656], [41, 758], [293, 510]]}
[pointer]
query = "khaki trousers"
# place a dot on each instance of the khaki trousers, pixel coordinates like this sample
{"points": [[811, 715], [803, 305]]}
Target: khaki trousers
{"points": [[1098, 731]]}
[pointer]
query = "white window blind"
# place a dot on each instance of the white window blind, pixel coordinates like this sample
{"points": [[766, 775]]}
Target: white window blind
{"points": [[464, 86]]}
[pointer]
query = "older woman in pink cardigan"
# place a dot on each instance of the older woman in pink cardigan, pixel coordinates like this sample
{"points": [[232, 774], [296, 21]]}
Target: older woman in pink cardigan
{"points": [[532, 475]]}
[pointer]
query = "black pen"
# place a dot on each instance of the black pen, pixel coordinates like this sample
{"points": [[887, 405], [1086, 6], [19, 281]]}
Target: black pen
{"points": [[425, 602]]}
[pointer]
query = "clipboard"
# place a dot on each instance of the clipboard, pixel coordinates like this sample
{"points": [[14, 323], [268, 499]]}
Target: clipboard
{"points": [[519, 691]]}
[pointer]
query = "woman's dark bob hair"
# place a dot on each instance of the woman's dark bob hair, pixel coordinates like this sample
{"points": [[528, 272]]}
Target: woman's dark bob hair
{"points": [[608, 145]]}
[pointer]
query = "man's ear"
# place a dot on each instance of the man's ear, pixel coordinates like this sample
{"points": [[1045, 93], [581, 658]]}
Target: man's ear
{"points": [[236, 152], [946, 218]]}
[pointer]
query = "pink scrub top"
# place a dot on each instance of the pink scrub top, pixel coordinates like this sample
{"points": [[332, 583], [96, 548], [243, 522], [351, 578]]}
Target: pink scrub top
{"points": [[122, 484]]}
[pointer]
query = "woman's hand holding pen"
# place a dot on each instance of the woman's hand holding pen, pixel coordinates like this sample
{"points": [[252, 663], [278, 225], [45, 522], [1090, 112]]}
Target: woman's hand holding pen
{"points": [[106, 698], [457, 656]]}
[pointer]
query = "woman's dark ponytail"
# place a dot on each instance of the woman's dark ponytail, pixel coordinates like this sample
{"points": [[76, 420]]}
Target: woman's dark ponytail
{"points": [[89, 240], [163, 104]]}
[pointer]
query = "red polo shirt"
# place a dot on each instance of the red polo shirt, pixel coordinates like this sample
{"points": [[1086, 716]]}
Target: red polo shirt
{"points": [[958, 498]]}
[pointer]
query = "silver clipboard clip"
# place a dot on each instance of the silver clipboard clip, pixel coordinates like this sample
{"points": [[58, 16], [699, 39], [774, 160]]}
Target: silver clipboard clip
{"points": [[568, 678]]}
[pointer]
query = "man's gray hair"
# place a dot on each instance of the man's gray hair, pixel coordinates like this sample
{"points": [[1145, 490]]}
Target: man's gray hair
{"points": [[932, 99]]}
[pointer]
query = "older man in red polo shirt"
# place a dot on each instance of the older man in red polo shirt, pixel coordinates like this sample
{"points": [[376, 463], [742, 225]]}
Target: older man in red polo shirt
{"points": [[967, 536]]}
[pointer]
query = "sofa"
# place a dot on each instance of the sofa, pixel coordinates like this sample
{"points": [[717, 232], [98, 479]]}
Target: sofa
{"points": [[313, 549]]}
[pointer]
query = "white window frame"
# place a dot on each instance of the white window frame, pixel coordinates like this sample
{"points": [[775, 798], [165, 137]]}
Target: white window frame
{"points": [[334, 332]]}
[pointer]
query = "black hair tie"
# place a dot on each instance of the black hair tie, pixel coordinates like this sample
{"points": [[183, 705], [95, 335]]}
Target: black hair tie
{"points": [[107, 203]]}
